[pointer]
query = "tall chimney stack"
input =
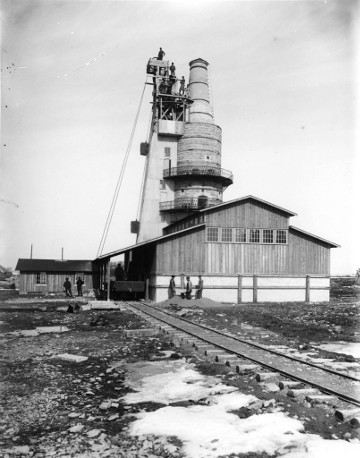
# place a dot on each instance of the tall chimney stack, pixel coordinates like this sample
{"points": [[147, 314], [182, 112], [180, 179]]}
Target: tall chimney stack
{"points": [[200, 110]]}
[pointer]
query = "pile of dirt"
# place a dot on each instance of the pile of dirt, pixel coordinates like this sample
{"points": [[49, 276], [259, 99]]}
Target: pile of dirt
{"points": [[203, 303]]}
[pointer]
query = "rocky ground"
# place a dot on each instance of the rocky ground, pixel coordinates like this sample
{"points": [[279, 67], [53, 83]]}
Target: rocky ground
{"points": [[53, 405]]}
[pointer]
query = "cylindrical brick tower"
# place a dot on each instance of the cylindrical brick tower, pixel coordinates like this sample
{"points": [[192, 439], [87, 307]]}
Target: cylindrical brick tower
{"points": [[200, 179]]}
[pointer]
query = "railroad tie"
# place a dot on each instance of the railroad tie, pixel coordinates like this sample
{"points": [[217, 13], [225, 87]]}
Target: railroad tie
{"points": [[229, 360], [213, 352], [246, 368], [347, 414], [201, 346], [293, 393], [262, 376], [321, 399], [355, 421], [283, 384]]}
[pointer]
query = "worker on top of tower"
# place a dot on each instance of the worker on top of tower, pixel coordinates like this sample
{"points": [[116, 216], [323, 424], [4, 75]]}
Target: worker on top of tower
{"points": [[172, 69], [161, 54], [182, 86]]}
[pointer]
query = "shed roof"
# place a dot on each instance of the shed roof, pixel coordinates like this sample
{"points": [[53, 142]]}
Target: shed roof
{"points": [[147, 242], [55, 265], [312, 236]]}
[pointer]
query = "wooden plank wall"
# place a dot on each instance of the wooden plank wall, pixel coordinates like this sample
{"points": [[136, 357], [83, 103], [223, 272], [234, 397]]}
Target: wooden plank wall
{"points": [[307, 256], [249, 215], [182, 254], [54, 283], [246, 258]]}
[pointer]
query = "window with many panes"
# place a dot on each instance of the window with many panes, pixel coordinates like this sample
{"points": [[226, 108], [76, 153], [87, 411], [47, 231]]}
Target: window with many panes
{"points": [[213, 234], [268, 236], [226, 234], [167, 151], [240, 235], [162, 185], [41, 278], [254, 236], [280, 236]]}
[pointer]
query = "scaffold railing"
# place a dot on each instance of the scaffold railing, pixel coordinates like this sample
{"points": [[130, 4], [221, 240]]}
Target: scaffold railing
{"points": [[188, 204]]}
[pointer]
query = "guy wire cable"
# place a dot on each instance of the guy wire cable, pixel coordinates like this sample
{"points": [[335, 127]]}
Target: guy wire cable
{"points": [[119, 182], [145, 167]]}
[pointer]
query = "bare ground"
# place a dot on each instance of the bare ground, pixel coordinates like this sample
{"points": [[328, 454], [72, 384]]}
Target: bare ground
{"points": [[43, 396]]}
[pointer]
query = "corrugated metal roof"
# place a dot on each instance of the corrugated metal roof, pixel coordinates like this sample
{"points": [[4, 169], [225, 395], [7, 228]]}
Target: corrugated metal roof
{"points": [[55, 265], [327, 242]]}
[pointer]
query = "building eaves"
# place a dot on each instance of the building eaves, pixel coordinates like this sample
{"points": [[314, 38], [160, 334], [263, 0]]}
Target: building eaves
{"points": [[327, 242], [55, 265], [148, 242]]}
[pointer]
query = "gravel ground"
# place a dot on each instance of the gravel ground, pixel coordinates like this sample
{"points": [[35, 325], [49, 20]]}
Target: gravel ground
{"points": [[56, 407]]}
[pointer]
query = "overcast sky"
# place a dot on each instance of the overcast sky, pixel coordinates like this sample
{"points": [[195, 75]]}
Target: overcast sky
{"points": [[283, 76]]}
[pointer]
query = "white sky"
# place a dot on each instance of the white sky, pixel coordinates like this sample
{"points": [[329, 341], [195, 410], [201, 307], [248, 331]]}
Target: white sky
{"points": [[283, 80]]}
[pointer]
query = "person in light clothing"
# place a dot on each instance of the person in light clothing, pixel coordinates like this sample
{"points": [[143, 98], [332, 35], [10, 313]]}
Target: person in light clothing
{"points": [[188, 288], [200, 288]]}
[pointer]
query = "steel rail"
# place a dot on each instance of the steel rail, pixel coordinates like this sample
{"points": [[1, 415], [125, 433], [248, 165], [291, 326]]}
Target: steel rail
{"points": [[179, 322]]}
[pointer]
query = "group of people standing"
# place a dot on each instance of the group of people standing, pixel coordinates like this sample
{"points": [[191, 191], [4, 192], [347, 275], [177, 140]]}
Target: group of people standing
{"points": [[164, 88], [67, 287], [188, 288]]}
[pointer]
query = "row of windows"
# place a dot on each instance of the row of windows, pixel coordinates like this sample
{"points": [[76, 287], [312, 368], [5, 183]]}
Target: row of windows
{"points": [[243, 235]]}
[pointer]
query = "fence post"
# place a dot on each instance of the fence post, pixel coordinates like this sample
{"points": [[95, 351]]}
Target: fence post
{"points": [[239, 298], [307, 290], [255, 288]]}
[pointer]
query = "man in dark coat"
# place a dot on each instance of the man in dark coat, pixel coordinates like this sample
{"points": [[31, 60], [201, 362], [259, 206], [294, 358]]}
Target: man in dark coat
{"points": [[161, 54], [188, 288], [172, 69], [67, 286], [172, 287], [79, 284]]}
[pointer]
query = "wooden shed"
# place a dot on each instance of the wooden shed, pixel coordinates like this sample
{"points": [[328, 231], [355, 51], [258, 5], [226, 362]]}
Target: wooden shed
{"points": [[245, 250], [44, 276]]}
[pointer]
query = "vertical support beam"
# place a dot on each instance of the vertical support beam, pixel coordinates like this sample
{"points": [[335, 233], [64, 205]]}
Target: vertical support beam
{"points": [[182, 281], [147, 289], [239, 298], [255, 288], [307, 290], [108, 280]]}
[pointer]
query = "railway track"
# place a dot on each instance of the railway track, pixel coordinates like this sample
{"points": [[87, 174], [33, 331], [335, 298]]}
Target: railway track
{"points": [[242, 355]]}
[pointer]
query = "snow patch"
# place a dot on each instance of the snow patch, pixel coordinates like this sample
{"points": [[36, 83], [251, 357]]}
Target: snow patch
{"points": [[347, 348], [179, 383], [212, 430]]}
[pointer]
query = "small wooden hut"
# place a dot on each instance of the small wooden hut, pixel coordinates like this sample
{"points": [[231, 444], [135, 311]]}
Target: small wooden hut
{"points": [[44, 276]]}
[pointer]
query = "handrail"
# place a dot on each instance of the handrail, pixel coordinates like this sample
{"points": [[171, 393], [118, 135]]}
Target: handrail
{"points": [[188, 204], [208, 170]]}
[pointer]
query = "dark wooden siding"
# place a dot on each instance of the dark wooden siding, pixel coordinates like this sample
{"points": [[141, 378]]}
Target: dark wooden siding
{"points": [[54, 283], [247, 214], [231, 258], [182, 254], [307, 256]]}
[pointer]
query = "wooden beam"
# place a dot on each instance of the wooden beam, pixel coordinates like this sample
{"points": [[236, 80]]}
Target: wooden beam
{"points": [[255, 288], [239, 298], [307, 290], [108, 281]]}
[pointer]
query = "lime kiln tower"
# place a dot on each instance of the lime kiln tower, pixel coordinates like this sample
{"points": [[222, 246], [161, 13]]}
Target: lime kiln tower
{"points": [[183, 171]]}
